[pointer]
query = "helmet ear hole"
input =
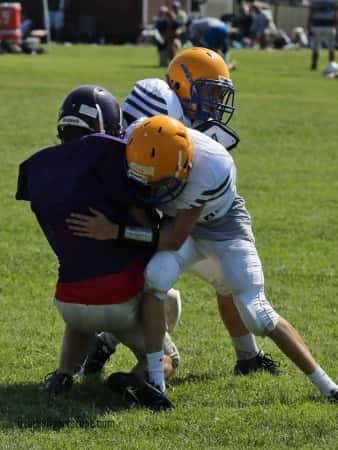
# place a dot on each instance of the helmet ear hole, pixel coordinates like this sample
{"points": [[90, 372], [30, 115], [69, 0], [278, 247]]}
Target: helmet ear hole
{"points": [[68, 133]]}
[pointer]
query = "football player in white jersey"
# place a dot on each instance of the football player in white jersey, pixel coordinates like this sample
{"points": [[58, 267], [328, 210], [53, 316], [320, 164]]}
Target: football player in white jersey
{"points": [[199, 93], [192, 179]]}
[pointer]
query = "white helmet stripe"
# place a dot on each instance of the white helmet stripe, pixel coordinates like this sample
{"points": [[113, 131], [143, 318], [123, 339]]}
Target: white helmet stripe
{"points": [[73, 121]]}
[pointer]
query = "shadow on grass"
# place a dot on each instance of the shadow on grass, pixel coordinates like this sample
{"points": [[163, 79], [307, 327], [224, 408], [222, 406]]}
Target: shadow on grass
{"points": [[193, 378], [241, 392], [26, 406]]}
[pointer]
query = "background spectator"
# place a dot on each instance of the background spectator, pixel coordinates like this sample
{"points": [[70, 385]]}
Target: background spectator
{"points": [[263, 28], [56, 19], [182, 20], [211, 33], [166, 38], [26, 24], [243, 22], [322, 23]]}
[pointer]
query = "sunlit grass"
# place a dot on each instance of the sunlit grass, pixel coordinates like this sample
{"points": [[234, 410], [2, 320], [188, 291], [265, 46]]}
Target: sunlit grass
{"points": [[288, 172]]}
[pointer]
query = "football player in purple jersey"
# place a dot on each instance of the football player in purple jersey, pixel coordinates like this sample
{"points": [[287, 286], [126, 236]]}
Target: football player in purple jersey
{"points": [[100, 284]]}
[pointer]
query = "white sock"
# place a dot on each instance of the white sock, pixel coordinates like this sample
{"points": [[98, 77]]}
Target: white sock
{"points": [[245, 346], [323, 381], [155, 369]]}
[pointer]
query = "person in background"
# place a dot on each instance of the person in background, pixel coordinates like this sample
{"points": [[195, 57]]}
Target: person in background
{"points": [[262, 25], [26, 24], [322, 25], [166, 37], [211, 33], [243, 23], [56, 10], [182, 20]]}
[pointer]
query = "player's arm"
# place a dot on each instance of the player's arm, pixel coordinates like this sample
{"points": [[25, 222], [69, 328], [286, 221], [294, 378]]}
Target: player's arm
{"points": [[172, 238], [97, 226], [145, 217]]}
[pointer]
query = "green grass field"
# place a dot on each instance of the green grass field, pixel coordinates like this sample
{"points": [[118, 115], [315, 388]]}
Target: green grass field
{"points": [[287, 171]]}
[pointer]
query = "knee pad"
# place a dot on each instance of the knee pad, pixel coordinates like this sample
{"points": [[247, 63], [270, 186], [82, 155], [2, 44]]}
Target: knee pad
{"points": [[256, 312], [161, 274]]}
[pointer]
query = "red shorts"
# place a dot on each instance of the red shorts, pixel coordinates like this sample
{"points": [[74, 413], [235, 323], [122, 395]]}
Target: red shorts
{"points": [[104, 290]]}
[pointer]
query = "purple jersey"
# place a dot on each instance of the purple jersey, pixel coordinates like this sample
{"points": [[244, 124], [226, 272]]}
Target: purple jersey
{"points": [[90, 171]]}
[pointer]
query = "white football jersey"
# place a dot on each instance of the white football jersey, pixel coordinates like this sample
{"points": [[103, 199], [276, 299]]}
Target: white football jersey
{"points": [[212, 179], [151, 97], [211, 182]]}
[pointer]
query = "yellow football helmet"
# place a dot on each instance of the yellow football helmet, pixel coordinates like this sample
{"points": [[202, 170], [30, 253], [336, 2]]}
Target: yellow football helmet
{"points": [[159, 156], [201, 80]]}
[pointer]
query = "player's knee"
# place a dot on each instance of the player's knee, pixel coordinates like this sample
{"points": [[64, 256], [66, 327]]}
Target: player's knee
{"points": [[257, 314], [160, 274]]}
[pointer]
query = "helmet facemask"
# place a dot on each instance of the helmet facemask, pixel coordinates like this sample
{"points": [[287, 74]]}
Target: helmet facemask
{"points": [[210, 99], [214, 99]]}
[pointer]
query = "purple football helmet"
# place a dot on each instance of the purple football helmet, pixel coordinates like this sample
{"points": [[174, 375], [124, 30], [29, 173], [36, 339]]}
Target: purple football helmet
{"points": [[89, 109]]}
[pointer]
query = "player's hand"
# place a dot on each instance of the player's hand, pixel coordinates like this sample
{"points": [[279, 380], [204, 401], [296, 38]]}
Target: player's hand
{"points": [[96, 226]]}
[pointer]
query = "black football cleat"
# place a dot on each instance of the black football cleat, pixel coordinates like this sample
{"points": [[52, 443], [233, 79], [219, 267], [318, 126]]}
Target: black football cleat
{"points": [[138, 392], [57, 383], [260, 362], [97, 357], [333, 397]]}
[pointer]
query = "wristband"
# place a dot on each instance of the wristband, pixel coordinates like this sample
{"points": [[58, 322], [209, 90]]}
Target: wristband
{"points": [[139, 236]]}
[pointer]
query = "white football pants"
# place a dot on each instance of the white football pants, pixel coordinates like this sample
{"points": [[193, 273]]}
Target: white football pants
{"points": [[242, 272], [121, 322], [121, 319]]}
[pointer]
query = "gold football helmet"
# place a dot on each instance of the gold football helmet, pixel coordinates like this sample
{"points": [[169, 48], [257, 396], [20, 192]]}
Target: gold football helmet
{"points": [[201, 80], [159, 156]]}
